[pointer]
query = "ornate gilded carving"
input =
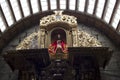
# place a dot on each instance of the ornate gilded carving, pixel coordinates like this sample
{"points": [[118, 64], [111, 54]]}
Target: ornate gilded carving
{"points": [[84, 40], [87, 40], [58, 17], [27, 42], [78, 38], [57, 20], [74, 36], [42, 38]]}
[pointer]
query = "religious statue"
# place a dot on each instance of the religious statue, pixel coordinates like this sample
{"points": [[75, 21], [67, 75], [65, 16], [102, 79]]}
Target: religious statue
{"points": [[58, 46]]}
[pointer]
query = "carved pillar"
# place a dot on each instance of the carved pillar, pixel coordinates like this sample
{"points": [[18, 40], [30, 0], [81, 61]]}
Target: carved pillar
{"points": [[69, 38], [74, 38], [42, 38], [46, 39]]}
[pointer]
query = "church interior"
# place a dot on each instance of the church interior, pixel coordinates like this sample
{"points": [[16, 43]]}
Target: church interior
{"points": [[59, 39]]}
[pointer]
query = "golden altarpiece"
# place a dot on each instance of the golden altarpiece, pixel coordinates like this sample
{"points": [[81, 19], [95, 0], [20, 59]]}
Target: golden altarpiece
{"points": [[59, 56], [58, 23]]}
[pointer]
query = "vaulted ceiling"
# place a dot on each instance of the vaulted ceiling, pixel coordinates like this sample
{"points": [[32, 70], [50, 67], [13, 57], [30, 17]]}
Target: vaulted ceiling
{"points": [[19, 15]]}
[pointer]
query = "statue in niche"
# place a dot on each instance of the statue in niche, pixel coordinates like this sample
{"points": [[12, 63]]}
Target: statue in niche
{"points": [[58, 46]]}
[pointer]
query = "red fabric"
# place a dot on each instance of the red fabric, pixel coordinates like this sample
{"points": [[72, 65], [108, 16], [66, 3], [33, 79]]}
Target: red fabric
{"points": [[53, 47]]}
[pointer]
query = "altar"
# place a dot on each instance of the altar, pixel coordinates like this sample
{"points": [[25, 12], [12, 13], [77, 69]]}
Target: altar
{"points": [[83, 61], [63, 52]]}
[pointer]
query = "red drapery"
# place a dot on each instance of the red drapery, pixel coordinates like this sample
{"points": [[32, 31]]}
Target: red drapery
{"points": [[55, 45]]}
